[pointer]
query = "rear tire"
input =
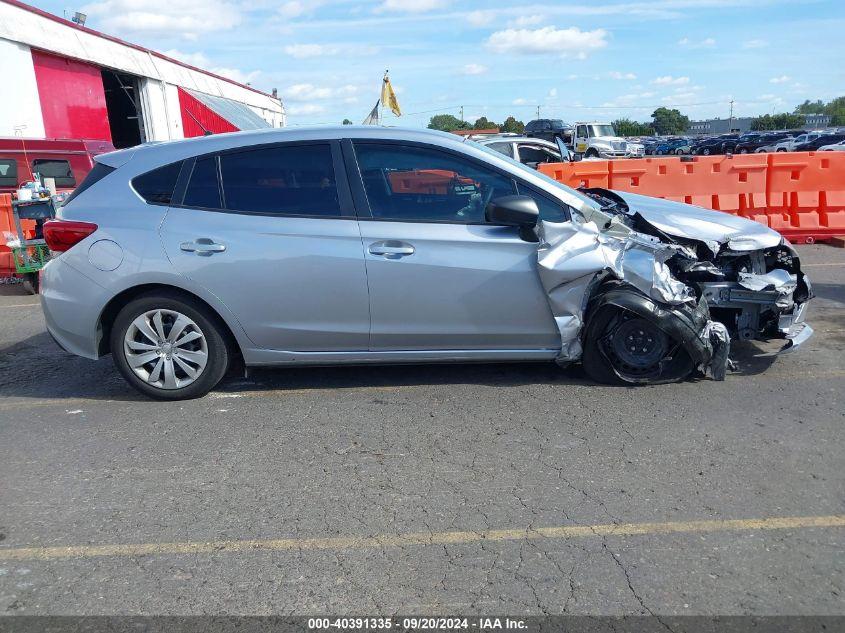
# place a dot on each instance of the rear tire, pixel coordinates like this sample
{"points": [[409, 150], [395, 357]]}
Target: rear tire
{"points": [[591, 153], [187, 362], [622, 348]]}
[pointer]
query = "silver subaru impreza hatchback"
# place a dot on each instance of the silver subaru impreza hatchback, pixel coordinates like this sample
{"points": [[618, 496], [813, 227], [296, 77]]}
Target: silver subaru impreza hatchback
{"points": [[380, 245]]}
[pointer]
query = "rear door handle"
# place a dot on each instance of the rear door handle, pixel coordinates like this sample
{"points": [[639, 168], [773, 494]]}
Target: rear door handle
{"points": [[203, 246], [391, 249]]}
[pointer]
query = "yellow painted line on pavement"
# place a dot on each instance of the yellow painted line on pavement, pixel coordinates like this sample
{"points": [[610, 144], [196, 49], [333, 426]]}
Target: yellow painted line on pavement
{"points": [[423, 538], [821, 265]]}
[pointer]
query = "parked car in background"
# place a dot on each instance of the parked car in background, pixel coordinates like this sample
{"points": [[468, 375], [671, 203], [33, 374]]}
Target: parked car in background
{"points": [[673, 146], [751, 145], [789, 144], [714, 145], [180, 258], [728, 146], [821, 141], [833, 147], [532, 152], [66, 161], [549, 130]]}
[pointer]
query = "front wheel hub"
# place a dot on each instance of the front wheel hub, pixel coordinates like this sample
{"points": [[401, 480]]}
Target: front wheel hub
{"points": [[639, 344]]}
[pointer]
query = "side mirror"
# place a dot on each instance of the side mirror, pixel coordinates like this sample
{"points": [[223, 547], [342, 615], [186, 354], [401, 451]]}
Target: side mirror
{"points": [[519, 211]]}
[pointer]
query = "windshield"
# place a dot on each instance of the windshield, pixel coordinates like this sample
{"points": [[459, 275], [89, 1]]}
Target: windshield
{"points": [[534, 172], [601, 130], [557, 123]]}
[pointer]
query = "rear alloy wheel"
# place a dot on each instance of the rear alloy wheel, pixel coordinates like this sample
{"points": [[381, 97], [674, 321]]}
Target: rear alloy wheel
{"points": [[167, 348], [621, 347], [706, 151]]}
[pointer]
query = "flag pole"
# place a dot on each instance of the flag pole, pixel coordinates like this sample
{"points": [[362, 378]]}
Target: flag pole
{"points": [[381, 118]]}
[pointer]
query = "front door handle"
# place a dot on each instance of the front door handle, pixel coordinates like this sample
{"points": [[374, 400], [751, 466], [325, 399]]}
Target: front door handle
{"points": [[391, 249], [203, 246]]}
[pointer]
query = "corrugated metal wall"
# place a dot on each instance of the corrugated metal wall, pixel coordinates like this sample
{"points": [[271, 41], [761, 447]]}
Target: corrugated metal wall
{"points": [[197, 118], [72, 98]]}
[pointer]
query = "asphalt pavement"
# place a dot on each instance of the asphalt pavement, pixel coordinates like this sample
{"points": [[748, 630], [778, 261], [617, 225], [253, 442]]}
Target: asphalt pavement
{"points": [[509, 488]]}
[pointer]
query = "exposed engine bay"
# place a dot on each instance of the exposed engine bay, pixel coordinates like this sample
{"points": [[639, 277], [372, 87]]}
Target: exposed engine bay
{"points": [[657, 299]]}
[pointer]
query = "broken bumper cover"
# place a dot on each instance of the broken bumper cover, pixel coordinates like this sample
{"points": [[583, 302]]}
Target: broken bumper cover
{"points": [[796, 330]]}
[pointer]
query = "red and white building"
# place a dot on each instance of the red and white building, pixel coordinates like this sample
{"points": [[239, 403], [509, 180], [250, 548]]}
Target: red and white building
{"points": [[62, 80]]}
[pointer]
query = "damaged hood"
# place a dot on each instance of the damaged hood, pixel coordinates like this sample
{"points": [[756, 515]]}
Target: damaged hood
{"points": [[698, 223]]}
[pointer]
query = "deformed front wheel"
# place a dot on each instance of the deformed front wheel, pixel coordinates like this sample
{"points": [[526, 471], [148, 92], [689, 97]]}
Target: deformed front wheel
{"points": [[621, 347]]}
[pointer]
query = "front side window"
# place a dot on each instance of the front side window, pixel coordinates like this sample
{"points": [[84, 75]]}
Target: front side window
{"points": [[502, 148], [59, 170], [418, 184], [283, 180], [8, 172]]}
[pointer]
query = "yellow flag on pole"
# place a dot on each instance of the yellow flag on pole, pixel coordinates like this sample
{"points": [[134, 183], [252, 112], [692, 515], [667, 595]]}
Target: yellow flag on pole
{"points": [[388, 97]]}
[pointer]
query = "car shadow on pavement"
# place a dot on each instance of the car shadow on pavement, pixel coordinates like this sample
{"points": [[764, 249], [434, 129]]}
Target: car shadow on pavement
{"points": [[36, 368]]}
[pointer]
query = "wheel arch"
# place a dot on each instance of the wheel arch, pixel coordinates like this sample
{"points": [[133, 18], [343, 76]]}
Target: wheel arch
{"points": [[113, 307]]}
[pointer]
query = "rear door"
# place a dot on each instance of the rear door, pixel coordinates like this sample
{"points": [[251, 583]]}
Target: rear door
{"points": [[440, 277], [270, 230]]}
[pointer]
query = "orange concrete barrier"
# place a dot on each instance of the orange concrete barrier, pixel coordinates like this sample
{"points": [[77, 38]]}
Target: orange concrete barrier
{"points": [[802, 195]]}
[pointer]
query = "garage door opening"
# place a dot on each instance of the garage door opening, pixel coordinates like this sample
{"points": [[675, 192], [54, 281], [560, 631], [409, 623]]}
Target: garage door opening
{"points": [[123, 103]]}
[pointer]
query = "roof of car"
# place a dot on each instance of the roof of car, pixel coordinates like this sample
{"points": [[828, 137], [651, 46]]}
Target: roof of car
{"points": [[514, 139]]}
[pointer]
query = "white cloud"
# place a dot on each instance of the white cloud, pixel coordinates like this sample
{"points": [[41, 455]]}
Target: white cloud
{"points": [[296, 8], [519, 101], [707, 42], [187, 18], [304, 109], [201, 61], [474, 69], [669, 80], [410, 6], [480, 18], [780, 80], [552, 93], [615, 74], [310, 92], [527, 20], [548, 40], [755, 44], [305, 51]]}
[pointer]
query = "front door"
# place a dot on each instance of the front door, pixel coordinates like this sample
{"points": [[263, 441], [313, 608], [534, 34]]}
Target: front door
{"points": [[440, 277], [269, 231]]}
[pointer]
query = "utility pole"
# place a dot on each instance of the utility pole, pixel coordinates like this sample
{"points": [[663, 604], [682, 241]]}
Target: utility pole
{"points": [[731, 118], [462, 113], [538, 112]]}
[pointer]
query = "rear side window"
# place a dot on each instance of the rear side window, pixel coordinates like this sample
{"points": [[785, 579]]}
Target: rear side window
{"points": [[156, 186], [203, 188], [8, 172], [502, 148], [59, 170], [284, 180], [97, 173]]}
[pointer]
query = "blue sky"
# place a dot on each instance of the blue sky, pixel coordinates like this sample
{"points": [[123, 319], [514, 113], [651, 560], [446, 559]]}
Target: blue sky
{"points": [[577, 60]]}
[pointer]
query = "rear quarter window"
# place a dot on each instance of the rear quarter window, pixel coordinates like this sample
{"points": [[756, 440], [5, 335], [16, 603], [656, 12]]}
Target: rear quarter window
{"points": [[156, 186], [97, 173]]}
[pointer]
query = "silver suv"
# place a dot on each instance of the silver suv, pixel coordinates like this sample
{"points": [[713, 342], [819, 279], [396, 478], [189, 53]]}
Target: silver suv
{"points": [[375, 245]]}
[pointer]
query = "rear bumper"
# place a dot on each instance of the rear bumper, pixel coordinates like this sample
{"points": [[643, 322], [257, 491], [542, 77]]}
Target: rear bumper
{"points": [[72, 304]]}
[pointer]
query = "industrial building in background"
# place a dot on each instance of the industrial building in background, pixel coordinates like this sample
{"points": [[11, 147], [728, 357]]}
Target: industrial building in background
{"points": [[63, 80]]}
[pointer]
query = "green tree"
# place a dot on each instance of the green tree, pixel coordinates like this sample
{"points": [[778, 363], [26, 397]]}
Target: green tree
{"points": [[810, 107], [347, 122], [447, 123], [512, 125], [627, 127], [484, 123], [784, 121], [666, 121]]}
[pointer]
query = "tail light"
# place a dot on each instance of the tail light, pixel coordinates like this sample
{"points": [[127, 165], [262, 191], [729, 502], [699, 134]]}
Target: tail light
{"points": [[62, 235]]}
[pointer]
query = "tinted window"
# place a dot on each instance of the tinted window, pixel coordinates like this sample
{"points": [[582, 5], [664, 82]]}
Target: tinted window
{"points": [[8, 172], [502, 148], [59, 170], [535, 154], [97, 173], [287, 180], [421, 184], [550, 210], [156, 186], [203, 189]]}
